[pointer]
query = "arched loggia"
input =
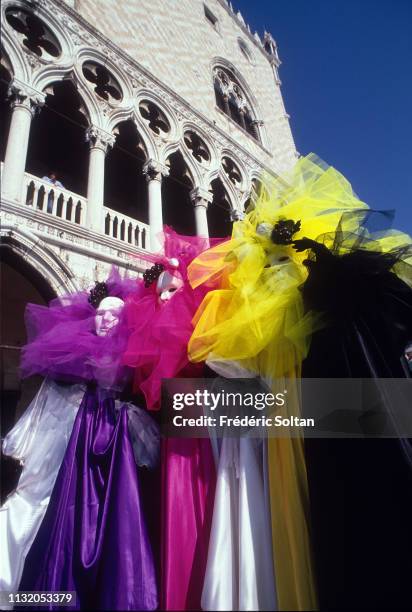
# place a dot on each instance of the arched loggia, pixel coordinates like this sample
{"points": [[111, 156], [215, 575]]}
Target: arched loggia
{"points": [[178, 210], [57, 138], [125, 189], [5, 110], [218, 214]]}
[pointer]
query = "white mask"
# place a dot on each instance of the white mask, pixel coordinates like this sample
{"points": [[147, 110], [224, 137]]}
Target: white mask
{"points": [[108, 315], [166, 286]]}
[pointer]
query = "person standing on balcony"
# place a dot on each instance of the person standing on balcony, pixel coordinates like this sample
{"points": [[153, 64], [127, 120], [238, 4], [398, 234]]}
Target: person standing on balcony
{"points": [[52, 178]]}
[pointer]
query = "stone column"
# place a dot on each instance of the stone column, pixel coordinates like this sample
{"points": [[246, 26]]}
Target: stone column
{"points": [[154, 172], [242, 112], [25, 102], [201, 200], [100, 141], [226, 103]]}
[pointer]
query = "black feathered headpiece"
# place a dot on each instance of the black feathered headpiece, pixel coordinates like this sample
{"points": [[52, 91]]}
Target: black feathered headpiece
{"points": [[98, 293], [152, 274], [283, 231]]}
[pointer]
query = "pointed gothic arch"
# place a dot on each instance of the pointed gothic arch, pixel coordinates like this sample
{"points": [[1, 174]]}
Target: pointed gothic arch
{"points": [[125, 189], [57, 138], [235, 99], [219, 213], [178, 211]]}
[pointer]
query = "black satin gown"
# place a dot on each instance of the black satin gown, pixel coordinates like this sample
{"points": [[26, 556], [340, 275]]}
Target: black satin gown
{"points": [[360, 489]]}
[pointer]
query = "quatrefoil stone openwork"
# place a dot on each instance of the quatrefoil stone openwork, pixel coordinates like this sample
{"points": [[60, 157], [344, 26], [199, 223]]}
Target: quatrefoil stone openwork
{"points": [[35, 35], [232, 171], [197, 147], [105, 85], [155, 118]]}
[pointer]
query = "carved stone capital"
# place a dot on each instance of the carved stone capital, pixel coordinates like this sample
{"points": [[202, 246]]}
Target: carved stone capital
{"points": [[99, 139], [201, 197], [236, 215], [22, 95], [154, 170]]}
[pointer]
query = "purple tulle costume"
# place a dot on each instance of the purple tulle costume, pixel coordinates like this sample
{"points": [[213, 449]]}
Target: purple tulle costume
{"points": [[62, 341], [93, 539]]}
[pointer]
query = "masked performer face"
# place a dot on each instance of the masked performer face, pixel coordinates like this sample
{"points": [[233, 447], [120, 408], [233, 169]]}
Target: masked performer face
{"points": [[169, 281], [108, 315]]}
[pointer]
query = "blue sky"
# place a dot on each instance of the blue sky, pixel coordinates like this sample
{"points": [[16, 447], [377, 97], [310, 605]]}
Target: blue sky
{"points": [[347, 84]]}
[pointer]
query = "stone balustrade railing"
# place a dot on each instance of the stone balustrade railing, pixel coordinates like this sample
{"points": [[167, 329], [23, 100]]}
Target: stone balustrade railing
{"points": [[56, 201], [124, 228], [42, 196]]}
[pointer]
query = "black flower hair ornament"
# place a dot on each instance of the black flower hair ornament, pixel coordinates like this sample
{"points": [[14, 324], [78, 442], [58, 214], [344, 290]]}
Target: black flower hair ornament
{"points": [[152, 274], [283, 231], [98, 293]]}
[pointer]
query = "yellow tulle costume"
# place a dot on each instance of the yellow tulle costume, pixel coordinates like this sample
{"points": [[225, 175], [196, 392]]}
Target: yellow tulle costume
{"points": [[255, 317]]}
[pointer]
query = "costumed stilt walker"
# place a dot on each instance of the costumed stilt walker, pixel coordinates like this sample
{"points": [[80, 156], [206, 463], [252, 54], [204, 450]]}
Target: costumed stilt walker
{"points": [[160, 322], [93, 538], [359, 290], [256, 319]]}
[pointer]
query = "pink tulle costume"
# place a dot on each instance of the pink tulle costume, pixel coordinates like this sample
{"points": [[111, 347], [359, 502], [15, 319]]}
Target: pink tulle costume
{"points": [[160, 321], [160, 328], [63, 344]]}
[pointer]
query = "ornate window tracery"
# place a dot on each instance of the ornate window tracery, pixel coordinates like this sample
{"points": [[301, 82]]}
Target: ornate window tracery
{"points": [[34, 34], [232, 171], [155, 118], [232, 100], [105, 85], [197, 147]]}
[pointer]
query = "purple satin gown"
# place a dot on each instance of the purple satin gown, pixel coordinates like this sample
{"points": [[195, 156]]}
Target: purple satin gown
{"points": [[93, 539]]}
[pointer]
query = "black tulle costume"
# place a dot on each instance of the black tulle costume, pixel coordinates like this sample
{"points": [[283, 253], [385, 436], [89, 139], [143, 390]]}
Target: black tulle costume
{"points": [[361, 489]]}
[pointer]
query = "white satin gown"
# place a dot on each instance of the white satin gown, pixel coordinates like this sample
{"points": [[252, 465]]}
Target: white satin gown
{"points": [[240, 571], [39, 441]]}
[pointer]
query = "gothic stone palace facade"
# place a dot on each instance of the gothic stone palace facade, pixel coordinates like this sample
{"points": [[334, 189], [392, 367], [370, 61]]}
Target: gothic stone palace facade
{"points": [[148, 112]]}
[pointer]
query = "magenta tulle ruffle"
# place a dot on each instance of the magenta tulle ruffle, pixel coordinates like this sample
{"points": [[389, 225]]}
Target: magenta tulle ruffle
{"points": [[159, 333], [62, 342]]}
